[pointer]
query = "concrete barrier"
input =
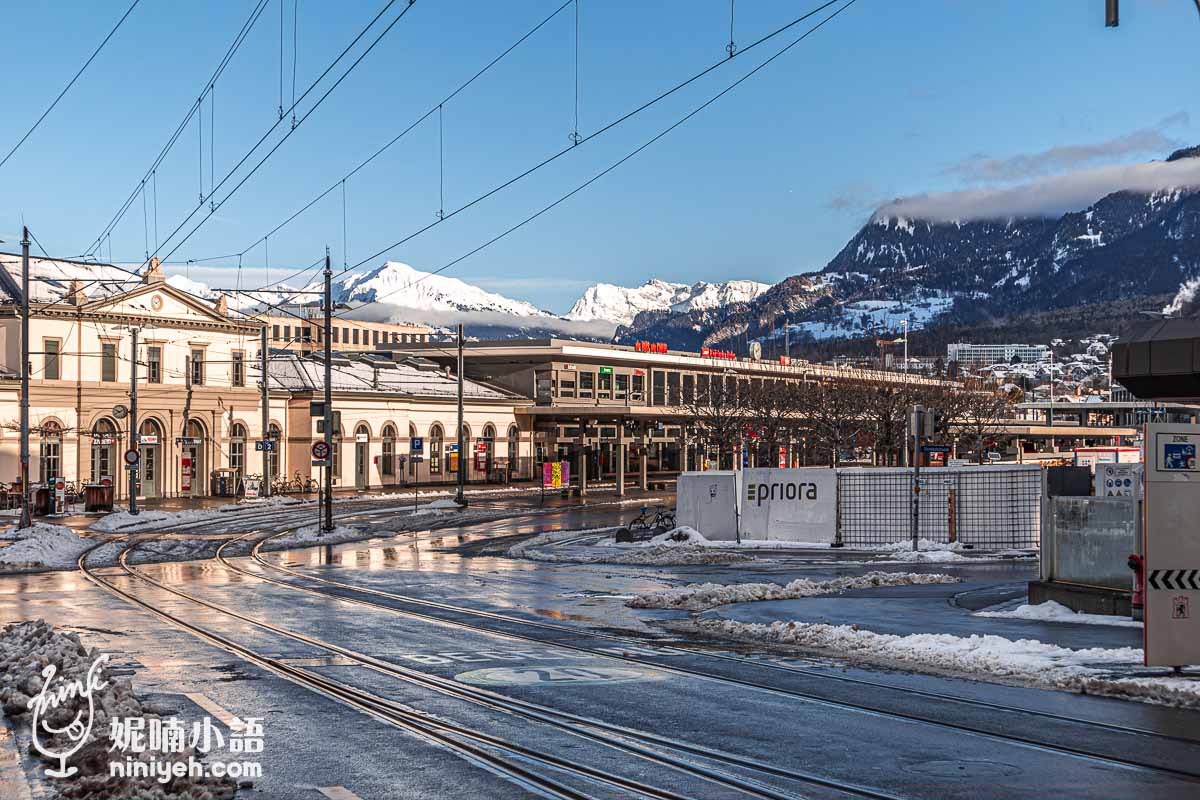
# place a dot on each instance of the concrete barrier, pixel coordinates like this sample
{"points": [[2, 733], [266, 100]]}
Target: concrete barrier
{"points": [[708, 502]]}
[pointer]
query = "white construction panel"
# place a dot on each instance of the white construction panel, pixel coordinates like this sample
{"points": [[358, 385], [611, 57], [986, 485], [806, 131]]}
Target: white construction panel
{"points": [[792, 505], [708, 502]]}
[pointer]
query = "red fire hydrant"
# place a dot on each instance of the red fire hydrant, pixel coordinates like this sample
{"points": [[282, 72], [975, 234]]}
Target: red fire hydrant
{"points": [[1138, 565]]}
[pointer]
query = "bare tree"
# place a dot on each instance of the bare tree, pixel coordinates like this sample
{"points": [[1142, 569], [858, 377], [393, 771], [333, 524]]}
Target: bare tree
{"points": [[979, 409], [835, 414], [885, 411], [770, 414], [717, 408]]}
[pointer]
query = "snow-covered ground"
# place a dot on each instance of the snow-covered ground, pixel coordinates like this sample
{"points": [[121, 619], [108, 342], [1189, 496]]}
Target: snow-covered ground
{"points": [[699, 596], [1051, 611], [1025, 661], [42, 545], [660, 551]]}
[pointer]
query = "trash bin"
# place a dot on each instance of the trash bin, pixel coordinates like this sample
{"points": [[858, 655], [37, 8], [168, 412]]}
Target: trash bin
{"points": [[42, 504], [97, 497]]}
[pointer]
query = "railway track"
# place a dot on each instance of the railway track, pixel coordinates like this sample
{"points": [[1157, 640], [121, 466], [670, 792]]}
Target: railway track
{"points": [[650, 747], [1040, 742]]}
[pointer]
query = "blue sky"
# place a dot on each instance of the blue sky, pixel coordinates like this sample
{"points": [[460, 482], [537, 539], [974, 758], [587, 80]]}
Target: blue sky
{"points": [[890, 99]]}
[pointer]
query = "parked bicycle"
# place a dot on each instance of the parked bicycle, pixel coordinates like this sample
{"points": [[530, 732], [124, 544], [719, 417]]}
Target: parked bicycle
{"points": [[646, 525]]}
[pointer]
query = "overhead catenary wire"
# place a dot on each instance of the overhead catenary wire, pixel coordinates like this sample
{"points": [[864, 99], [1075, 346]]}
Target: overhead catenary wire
{"points": [[295, 44], [595, 134], [253, 149], [563, 198], [70, 83], [398, 137], [255, 13]]}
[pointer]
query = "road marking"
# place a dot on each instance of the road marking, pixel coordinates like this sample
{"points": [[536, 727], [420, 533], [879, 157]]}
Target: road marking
{"points": [[230, 721], [554, 675], [338, 793]]}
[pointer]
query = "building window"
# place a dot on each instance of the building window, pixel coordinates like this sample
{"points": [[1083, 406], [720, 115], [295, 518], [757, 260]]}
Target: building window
{"points": [[345, 336], [566, 387], [587, 383], [237, 448], [275, 435], [154, 364], [335, 335], [287, 334], [660, 389], [108, 362], [689, 388], [702, 390], [374, 337], [514, 442], [51, 451], [435, 450], [104, 442], [672, 388], [239, 368], [622, 387], [606, 383], [50, 369], [389, 450], [356, 335], [637, 391], [275, 332], [198, 367]]}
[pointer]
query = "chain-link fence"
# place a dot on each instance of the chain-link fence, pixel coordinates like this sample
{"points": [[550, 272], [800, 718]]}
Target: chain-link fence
{"points": [[988, 507]]}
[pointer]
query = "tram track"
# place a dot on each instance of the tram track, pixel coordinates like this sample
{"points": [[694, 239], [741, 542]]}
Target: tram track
{"points": [[1029, 741], [650, 747]]}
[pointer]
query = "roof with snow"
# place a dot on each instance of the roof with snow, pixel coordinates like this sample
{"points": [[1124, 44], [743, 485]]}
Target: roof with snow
{"points": [[358, 372]]}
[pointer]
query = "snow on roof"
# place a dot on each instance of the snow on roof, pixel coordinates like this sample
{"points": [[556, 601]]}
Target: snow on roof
{"points": [[294, 373], [57, 274]]}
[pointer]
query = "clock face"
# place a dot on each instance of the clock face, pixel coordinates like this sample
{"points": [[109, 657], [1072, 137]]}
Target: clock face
{"points": [[156, 302]]}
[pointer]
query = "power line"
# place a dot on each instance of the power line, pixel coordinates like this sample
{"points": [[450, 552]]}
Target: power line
{"points": [[255, 13], [600, 132], [71, 83], [432, 110], [626, 157], [214, 206]]}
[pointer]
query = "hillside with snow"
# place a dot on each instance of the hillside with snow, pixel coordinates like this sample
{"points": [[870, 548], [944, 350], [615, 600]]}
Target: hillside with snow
{"points": [[398, 284], [621, 304]]}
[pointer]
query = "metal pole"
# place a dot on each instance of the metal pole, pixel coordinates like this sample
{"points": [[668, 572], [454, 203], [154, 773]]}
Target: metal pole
{"points": [[327, 523], [905, 323], [916, 420], [26, 511], [462, 451], [133, 417], [265, 489]]}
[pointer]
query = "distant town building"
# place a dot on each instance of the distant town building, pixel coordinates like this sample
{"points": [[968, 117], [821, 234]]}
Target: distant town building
{"points": [[301, 331], [974, 356]]}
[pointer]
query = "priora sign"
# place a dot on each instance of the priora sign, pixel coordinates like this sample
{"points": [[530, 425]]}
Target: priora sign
{"points": [[798, 505]]}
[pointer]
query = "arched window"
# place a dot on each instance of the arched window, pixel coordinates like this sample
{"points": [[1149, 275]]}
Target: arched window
{"points": [[237, 448], [489, 449], [276, 436], [104, 444], [436, 437], [194, 429], [51, 451], [514, 440], [389, 450]]}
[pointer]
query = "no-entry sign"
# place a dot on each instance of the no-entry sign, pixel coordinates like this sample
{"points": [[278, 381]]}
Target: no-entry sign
{"points": [[132, 457]]}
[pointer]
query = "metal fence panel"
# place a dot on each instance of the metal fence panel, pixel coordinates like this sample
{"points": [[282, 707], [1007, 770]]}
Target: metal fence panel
{"points": [[987, 507]]}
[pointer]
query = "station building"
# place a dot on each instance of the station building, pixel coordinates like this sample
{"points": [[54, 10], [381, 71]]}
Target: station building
{"points": [[200, 399], [625, 410]]}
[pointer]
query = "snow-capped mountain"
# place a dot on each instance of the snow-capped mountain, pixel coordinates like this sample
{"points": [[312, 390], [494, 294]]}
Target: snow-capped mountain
{"points": [[974, 274], [621, 304], [398, 284]]}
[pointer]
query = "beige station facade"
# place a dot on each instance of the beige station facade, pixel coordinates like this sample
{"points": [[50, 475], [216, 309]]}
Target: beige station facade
{"points": [[199, 401]]}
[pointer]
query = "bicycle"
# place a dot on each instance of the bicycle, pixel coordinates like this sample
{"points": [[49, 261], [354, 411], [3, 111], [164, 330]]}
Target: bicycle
{"points": [[662, 521]]}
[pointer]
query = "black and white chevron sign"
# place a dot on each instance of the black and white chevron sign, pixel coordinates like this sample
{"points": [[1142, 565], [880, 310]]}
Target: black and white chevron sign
{"points": [[1174, 579]]}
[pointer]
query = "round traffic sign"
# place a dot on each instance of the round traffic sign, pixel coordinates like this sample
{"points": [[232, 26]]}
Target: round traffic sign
{"points": [[132, 457], [320, 451]]}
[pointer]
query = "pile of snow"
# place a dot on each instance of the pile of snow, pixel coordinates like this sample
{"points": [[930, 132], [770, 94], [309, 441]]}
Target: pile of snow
{"points": [[123, 520], [672, 555], [448, 505], [43, 545], [1051, 611], [928, 552], [690, 536], [26, 648], [312, 534], [699, 596], [1026, 661], [682, 535]]}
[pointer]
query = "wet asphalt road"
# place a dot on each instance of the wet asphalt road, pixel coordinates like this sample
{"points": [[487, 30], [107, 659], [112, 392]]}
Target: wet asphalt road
{"points": [[559, 638]]}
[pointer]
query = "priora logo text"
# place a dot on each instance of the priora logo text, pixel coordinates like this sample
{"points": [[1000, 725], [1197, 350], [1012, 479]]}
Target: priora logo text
{"points": [[760, 492]]}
